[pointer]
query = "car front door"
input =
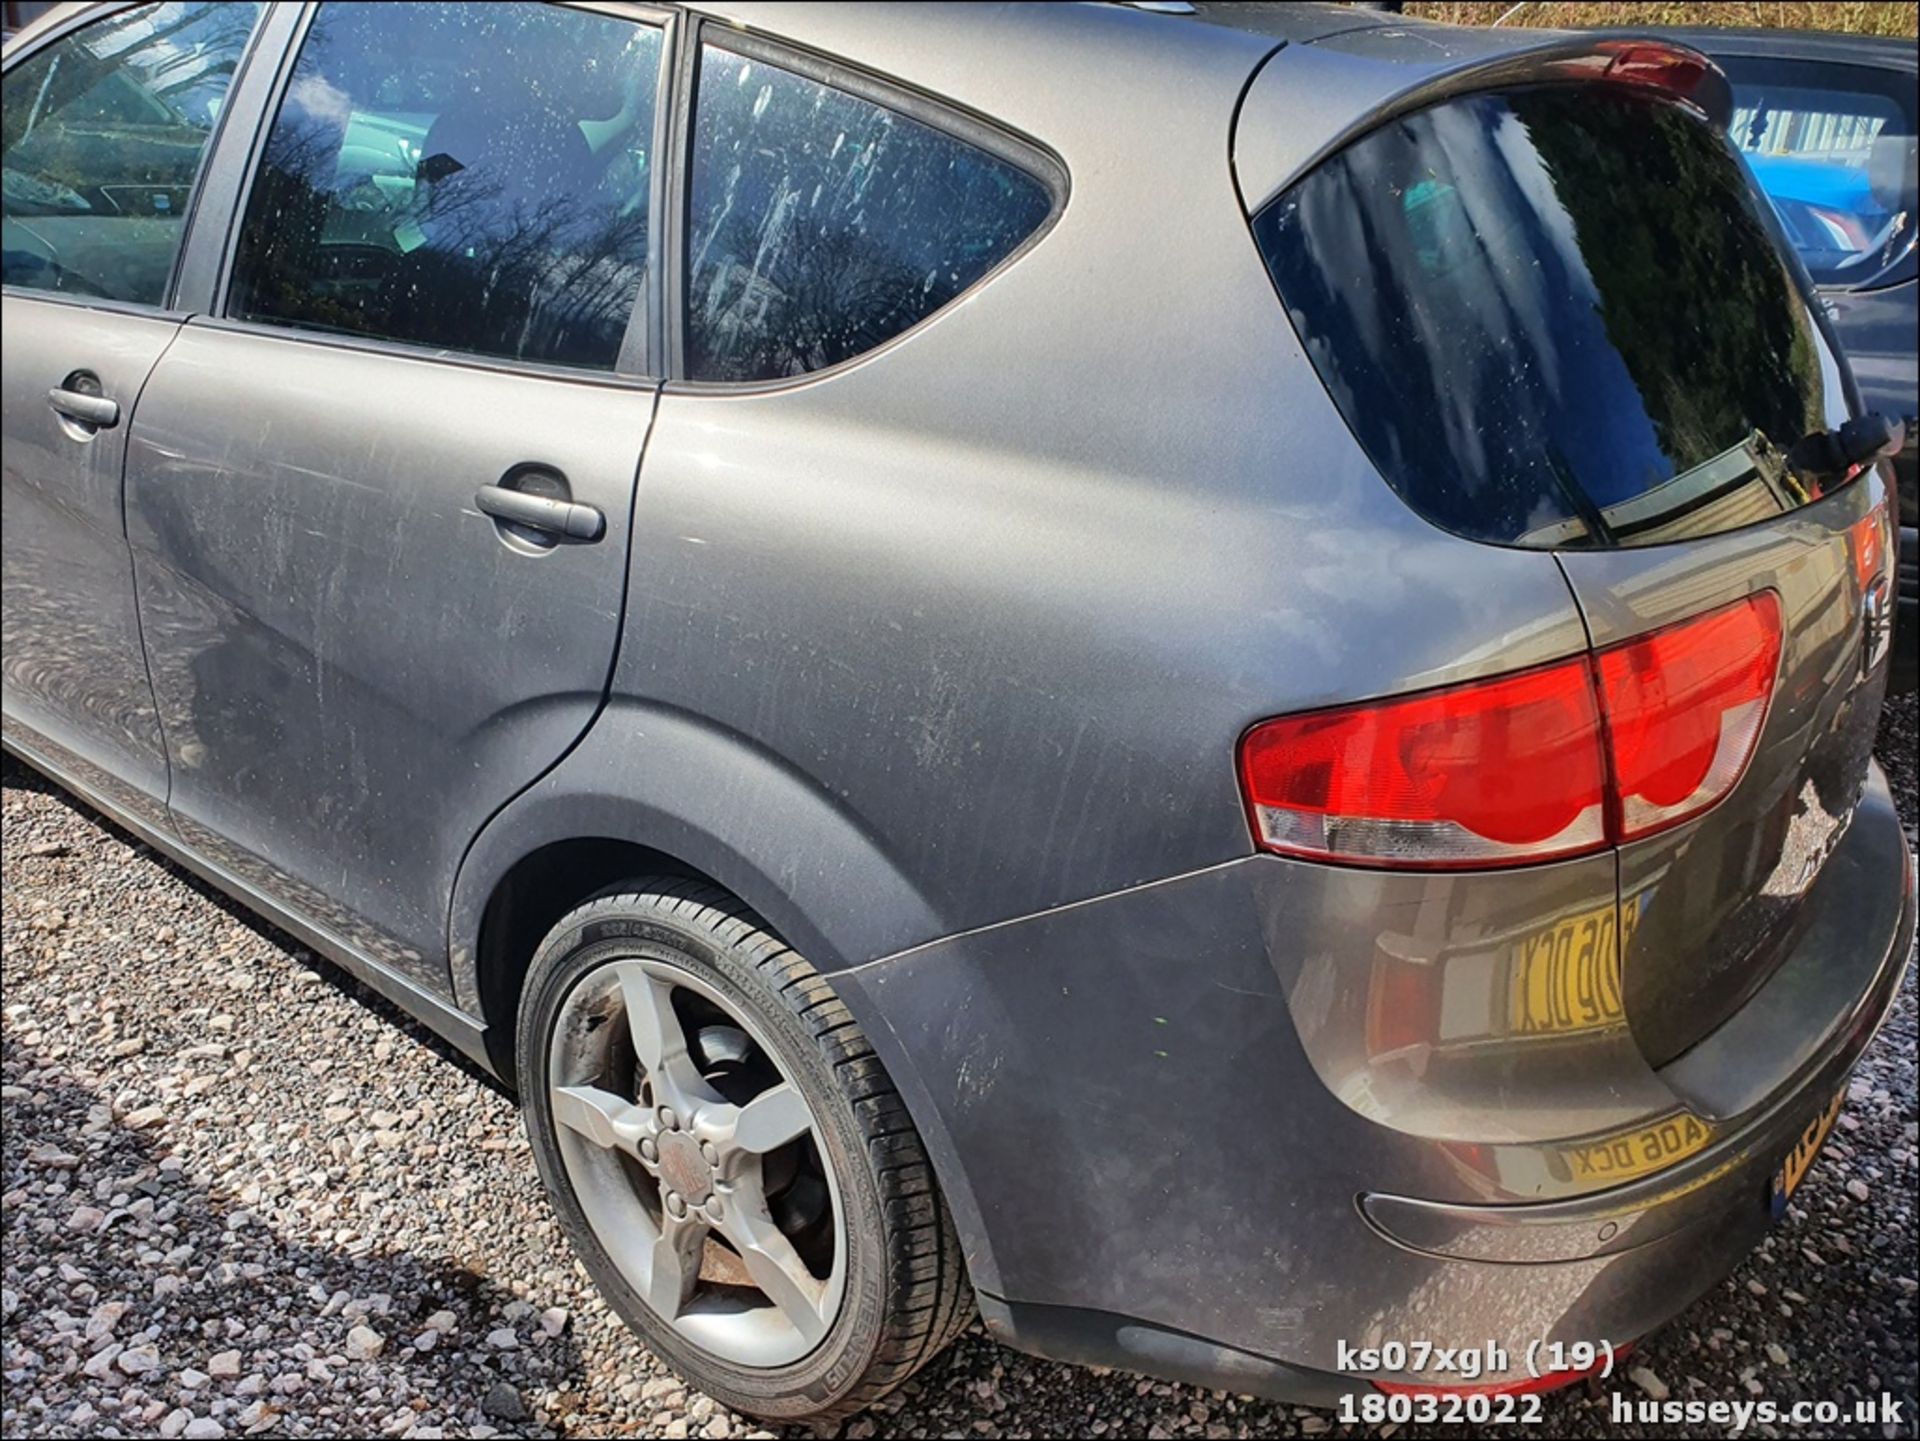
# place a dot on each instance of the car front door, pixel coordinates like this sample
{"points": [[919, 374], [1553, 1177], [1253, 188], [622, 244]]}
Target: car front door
{"points": [[379, 499], [106, 125]]}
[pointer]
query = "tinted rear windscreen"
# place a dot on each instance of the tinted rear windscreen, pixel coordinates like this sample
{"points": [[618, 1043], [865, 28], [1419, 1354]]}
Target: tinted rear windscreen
{"points": [[1556, 317]]}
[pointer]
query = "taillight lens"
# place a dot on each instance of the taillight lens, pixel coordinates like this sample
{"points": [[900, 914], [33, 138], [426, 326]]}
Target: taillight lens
{"points": [[1867, 542], [1474, 775], [1685, 74], [1685, 707], [1664, 67], [1521, 768]]}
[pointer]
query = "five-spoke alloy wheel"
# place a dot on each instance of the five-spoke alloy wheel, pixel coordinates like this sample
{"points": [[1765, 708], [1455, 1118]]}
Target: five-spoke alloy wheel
{"points": [[712, 1126], [729, 1158]]}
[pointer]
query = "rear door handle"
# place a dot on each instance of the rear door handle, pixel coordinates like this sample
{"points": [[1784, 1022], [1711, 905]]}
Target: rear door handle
{"points": [[567, 518], [88, 409]]}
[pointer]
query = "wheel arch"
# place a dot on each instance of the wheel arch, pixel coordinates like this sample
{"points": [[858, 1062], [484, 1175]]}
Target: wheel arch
{"points": [[655, 792], [651, 791]]}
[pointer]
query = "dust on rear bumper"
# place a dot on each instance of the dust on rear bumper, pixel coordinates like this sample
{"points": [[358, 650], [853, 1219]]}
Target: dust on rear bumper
{"points": [[1138, 1112]]}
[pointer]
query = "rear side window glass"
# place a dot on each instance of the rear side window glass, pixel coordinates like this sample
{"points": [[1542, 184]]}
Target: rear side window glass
{"points": [[822, 224], [104, 132], [1557, 317], [1833, 147], [469, 177]]}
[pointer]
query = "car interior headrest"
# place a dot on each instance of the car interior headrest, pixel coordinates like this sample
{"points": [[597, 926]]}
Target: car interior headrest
{"points": [[1890, 170]]}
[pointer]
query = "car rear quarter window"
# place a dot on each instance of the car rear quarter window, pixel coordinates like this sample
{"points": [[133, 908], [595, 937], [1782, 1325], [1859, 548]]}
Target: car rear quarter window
{"points": [[822, 224], [1556, 317], [1833, 147], [466, 177], [104, 133]]}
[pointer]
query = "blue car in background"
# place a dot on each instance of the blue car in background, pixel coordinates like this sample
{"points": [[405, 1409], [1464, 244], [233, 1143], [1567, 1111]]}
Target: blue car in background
{"points": [[1827, 124]]}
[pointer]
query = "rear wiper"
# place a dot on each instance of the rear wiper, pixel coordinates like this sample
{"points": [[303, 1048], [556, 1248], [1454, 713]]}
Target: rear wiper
{"points": [[1861, 441]]}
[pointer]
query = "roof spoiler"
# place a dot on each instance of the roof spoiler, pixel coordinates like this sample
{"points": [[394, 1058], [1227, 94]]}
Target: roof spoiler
{"points": [[1309, 100]]}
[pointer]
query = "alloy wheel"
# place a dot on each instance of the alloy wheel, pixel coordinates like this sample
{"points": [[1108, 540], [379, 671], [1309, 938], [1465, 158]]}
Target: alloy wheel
{"points": [[696, 1160]]}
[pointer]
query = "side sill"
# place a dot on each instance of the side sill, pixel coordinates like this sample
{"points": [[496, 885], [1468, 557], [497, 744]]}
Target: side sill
{"points": [[456, 1026]]}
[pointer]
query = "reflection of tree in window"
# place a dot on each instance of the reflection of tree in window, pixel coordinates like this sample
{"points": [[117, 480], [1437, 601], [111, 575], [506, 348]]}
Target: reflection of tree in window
{"points": [[1537, 309], [103, 132], [823, 225], [466, 177], [1703, 314]]}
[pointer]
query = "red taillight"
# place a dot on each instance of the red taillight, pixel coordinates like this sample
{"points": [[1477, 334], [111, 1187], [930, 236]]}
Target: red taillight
{"points": [[1483, 774], [1665, 67], [1867, 541], [1520, 768], [1684, 710], [1682, 73]]}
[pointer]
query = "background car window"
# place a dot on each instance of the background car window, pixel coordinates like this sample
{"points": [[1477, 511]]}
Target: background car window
{"points": [[470, 177], [104, 131], [821, 224], [1833, 147]]}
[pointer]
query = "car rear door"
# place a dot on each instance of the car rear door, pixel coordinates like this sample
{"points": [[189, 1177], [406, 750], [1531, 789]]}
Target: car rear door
{"points": [[107, 123], [379, 499]]}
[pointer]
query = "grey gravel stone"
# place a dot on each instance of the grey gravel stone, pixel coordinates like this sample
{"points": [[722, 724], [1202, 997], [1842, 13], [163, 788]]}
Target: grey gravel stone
{"points": [[503, 1403], [260, 1197], [1649, 1382]]}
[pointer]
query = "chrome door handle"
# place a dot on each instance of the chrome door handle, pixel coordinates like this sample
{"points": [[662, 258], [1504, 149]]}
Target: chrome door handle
{"points": [[567, 518], [88, 409]]}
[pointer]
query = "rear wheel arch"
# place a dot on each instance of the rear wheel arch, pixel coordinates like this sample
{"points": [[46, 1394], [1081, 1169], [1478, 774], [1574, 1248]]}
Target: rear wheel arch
{"points": [[548, 853], [650, 791], [534, 885], [527, 901], [696, 799]]}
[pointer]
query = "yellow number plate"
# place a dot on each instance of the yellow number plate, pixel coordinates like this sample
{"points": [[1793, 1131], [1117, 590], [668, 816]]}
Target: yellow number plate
{"points": [[1799, 1160], [1566, 977], [1633, 1154]]}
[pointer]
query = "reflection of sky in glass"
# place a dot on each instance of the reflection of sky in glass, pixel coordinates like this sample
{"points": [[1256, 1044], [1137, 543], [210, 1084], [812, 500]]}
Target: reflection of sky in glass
{"points": [[1447, 280], [171, 48], [823, 223]]}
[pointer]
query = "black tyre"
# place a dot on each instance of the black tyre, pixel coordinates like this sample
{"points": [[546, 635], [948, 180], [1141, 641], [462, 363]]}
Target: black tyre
{"points": [[728, 1157]]}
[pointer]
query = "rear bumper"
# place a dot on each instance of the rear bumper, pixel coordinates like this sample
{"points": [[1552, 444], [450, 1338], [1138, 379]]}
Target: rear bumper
{"points": [[1903, 673], [1159, 1157]]}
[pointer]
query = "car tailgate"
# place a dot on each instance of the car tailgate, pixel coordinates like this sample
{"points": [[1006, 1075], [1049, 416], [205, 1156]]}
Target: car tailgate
{"points": [[1715, 904]]}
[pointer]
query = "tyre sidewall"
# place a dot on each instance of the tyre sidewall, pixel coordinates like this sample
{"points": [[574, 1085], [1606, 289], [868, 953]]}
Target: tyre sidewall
{"points": [[632, 928]]}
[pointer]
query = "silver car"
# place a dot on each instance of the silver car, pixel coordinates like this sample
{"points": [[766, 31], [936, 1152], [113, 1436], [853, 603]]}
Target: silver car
{"points": [[1204, 682]]}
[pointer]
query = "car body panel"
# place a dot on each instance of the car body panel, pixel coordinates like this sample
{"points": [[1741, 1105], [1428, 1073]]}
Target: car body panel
{"points": [[76, 675], [1016, 655], [1719, 898], [938, 661], [355, 668], [1155, 1043]]}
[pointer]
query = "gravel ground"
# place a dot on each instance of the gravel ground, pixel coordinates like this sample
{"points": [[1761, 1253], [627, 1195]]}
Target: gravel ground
{"points": [[243, 1195]]}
